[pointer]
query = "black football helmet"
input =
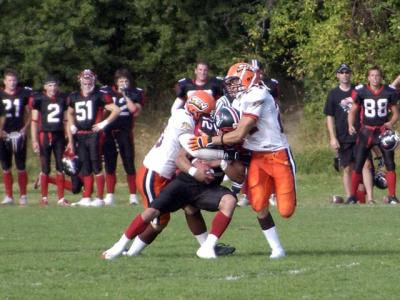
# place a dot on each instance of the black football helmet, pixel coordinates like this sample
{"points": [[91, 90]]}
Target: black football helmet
{"points": [[71, 164], [15, 141], [389, 140], [380, 180], [226, 119]]}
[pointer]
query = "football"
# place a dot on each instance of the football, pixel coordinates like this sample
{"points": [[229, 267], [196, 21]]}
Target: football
{"points": [[336, 200], [203, 165]]}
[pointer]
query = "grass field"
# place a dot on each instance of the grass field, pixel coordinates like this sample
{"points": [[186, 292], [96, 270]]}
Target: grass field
{"points": [[334, 252]]}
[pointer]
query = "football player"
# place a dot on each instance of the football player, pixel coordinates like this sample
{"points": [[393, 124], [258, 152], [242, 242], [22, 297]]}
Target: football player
{"points": [[49, 115], [85, 125], [379, 112], [159, 168], [119, 134], [337, 107], [186, 86], [271, 166], [15, 101]]}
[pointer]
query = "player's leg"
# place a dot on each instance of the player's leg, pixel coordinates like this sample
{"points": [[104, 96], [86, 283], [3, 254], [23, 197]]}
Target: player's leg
{"points": [[58, 150], [6, 160], [388, 158], [20, 163], [45, 152], [86, 171], [110, 164], [127, 152], [260, 187], [94, 152]]}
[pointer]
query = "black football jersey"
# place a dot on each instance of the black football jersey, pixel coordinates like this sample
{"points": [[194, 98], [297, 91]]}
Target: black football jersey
{"points": [[273, 87], [186, 86], [88, 110], [125, 118], [51, 111], [14, 108], [374, 105]]}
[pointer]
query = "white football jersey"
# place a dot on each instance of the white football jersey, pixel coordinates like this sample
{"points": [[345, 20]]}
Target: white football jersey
{"points": [[268, 134], [161, 157]]}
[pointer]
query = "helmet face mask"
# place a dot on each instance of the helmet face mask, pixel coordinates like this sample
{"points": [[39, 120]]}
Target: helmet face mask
{"points": [[240, 77]]}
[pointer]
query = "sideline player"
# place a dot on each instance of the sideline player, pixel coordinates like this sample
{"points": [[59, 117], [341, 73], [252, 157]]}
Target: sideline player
{"points": [[15, 101], [119, 134], [186, 86], [271, 166], [85, 125], [49, 114], [337, 107], [375, 100]]}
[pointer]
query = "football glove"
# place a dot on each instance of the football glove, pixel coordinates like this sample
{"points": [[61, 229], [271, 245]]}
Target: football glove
{"points": [[199, 142]]}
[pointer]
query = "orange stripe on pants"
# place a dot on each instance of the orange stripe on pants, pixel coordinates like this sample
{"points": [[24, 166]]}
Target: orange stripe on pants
{"points": [[149, 185], [272, 172]]}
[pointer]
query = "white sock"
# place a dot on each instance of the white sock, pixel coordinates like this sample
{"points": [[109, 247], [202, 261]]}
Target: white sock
{"points": [[211, 241], [201, 238], [272, 238], [123, 241], [137, 246]]}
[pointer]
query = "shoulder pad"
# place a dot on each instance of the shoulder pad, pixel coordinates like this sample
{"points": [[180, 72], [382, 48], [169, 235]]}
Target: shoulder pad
{"points": [[274, 80], [139, 89], [182, 119], [220, 78], [182, 80], [358, 87], [391, 87], [27, 88]]}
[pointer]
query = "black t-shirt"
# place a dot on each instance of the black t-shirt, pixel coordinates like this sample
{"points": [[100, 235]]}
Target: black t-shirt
{"points": [[51, 111], [338, 105], [14, 108], [184, 87], [88, 110], [375, 105], [125, 118]]}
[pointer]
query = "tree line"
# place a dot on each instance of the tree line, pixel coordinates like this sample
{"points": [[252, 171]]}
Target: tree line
{"points": [[159, 40]]}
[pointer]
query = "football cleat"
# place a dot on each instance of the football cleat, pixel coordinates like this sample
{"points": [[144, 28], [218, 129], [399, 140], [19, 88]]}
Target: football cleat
{"points": [[97, 203], [206, 253], [336, 199], [133, 199], [109, 199], [44, 202], [351, 200], [7, 200], [277, 253], [63, 202], [113, 252], [85, 202], [23, 200], [392, 200], [222, 249]]}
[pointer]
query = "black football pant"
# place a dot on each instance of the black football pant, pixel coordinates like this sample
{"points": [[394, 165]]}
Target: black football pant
{"points": [[51, 142], [122, 141], [88, 151], [6, 155]]}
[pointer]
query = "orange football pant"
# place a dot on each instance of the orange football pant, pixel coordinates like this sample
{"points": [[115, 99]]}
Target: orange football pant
{"points": [[272, 172], [149, 185]]}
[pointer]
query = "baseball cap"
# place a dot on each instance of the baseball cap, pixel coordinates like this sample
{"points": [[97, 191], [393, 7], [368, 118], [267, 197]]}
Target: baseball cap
{"points": [[51, 79], [343, 67]]}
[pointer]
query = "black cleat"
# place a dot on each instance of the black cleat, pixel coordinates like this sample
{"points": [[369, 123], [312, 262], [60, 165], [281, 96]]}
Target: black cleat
{"points": [[222, 249], [351, 200], [392, 200]]}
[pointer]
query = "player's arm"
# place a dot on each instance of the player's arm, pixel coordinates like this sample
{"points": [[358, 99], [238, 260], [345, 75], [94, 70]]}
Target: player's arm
{"points": [[351, 118], [114, 112], [71, 128], [27, 119], [178, 103], [35, 130], [2, 120], [134, 107], [395, 116], [184, 164], [237, 136], [330, 124], [396, 82]]}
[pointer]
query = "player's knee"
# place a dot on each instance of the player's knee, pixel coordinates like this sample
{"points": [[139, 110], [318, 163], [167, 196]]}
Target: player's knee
{"points": [[227, 204], [190, 210]]}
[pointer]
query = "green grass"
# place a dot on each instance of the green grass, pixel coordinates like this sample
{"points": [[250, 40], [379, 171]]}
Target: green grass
{"points": [[334, 252]]}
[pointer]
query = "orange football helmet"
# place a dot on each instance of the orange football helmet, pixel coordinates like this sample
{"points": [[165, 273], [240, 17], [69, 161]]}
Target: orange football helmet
{"points": [[200, 103], [240, 77]]}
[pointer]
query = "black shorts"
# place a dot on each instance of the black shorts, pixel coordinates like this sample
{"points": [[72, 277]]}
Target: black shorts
{"points": [[178, 193], [347, 154]]}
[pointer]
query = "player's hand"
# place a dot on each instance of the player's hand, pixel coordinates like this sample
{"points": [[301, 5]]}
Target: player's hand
{"points": [[35, 147], [388, 125], [203, 175], [352, 130], [3, 134], [334, 144], [22, 131], [199, 142]]}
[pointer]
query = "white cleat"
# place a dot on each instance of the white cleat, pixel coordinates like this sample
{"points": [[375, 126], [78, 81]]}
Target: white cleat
{"points": [[272, 200], [23, 200], [97, 203], [109, 200], [243, 201], [133, 199], [112, 253], [277, 253], [7, 200], [63, 202], [85, 202], [206, 253]]}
